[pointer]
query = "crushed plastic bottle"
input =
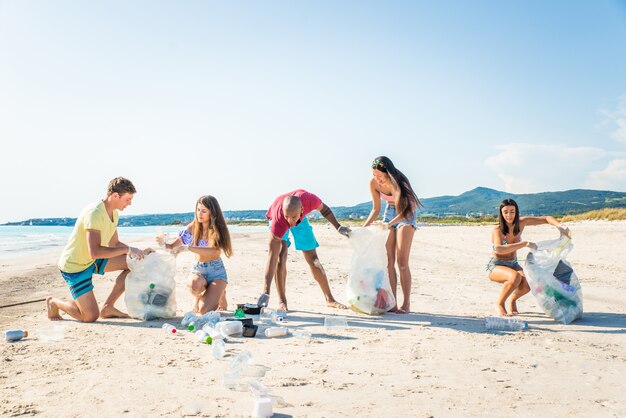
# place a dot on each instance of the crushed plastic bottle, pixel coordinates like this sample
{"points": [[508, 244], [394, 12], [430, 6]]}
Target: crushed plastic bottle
{"points": [[507, 324], [168, 328], [210, 317], [14, 335], [188, 318]]}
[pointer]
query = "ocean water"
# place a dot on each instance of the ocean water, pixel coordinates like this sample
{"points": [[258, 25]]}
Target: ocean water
{"points": [[18, 241]]}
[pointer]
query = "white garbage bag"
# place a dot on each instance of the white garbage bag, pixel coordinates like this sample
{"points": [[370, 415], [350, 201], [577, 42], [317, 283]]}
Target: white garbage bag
{"points": [[552, 280], [368, 290], [150, 286]]}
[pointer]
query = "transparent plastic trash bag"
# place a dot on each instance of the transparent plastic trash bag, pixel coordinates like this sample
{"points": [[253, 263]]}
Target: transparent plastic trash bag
{"points": [[150, 286], [368, 290], [553, 281]]}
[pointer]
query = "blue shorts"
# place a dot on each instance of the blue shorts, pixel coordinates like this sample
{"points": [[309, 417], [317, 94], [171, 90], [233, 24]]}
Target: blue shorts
{"points": [[302, 236], [211, 270], [80, 283], [512, 264], [391, 212]]}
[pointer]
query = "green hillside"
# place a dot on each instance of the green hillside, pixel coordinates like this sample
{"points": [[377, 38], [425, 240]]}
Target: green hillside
{"points": [[474, 203]]}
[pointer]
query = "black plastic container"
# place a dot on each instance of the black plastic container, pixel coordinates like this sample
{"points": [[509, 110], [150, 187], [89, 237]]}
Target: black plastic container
{"points": [[250, 308], [250, 330]]}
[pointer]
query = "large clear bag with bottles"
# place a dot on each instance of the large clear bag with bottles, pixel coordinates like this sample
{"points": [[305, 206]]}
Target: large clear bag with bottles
{"points": [[368, 288], [553, 281], [150, 286]]}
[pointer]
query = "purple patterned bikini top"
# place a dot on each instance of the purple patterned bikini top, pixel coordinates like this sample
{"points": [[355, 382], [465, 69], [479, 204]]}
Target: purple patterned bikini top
{"points": [[186, 238]]}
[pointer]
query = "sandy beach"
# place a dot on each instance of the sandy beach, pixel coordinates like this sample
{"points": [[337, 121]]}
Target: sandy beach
{"points": [[437, 361]]}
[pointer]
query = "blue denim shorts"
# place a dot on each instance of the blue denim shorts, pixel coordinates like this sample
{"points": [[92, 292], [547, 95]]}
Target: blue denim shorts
{"points": [[211, 270], [512, 264], [391, 212], [302, 235], [80, 282]]}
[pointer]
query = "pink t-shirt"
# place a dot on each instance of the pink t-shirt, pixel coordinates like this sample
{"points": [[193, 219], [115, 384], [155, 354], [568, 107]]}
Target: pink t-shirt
{"points": [[280, 226]]}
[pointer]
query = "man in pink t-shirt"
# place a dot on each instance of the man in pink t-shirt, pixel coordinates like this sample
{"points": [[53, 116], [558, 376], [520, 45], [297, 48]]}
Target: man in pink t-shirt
{"points": [[288, 214]]}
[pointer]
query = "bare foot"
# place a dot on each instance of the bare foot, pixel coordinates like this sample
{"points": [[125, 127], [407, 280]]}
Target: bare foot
{"points": [[394, 309], [282, 306], [221, 308], [513, 308], [53, 310], [501, 310], [336, 305], [112, 312], [403, 310], [195, 308]]}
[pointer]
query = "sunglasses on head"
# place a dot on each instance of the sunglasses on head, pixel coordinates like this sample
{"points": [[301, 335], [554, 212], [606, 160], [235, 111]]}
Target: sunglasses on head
{"points": [[378, 164]]}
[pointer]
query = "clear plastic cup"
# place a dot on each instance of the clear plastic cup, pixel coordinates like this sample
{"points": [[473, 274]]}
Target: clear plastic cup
{"points": [[335, 323]]}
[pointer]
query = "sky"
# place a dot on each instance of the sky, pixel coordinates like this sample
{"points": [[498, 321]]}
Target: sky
{"points": [[249, 100]]}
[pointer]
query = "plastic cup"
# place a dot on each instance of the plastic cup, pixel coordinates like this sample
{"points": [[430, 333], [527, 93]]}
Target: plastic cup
{"points": [[262, 408], [335, 323]]}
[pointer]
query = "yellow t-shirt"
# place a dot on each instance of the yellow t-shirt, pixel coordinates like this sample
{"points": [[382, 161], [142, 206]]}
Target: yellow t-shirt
{"points": [[75, 256]]}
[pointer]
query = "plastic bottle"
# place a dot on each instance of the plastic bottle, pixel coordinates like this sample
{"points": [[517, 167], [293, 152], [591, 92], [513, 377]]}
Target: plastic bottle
{"points": [[15, 335], [275, 332], [209, 317], [203, 337], [508, 324], [301, 334], [219, 349], [188, 318], [230, 328], [169, 328]]}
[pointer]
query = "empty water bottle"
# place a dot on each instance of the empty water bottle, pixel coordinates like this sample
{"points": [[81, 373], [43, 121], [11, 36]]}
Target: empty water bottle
{"points": [[203, 337], [211, 317], [219, 349], [168, 328], [502, 323], [15, 335], [275, 332], [301, 334]]}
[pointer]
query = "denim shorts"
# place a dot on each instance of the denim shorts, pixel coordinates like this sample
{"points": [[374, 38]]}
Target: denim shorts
{"points": [[512, 264], [211, 270], [390, 213], [302, 235], [80, 282]]}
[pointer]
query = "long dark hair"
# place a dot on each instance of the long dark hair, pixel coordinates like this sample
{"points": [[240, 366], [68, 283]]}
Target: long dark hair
{"points": [[217, 232], [504, 227], [408, 201]]}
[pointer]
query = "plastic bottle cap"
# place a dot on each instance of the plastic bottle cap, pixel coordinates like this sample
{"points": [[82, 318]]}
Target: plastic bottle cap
{"points": [[25, 333], [151, 285]]}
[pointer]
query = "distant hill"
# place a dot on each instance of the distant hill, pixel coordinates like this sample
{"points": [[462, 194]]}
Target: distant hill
{"points": [[477, 202]]}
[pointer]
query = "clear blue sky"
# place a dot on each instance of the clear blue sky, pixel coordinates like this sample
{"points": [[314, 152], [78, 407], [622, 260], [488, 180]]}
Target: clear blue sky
{"points": [[247, 100]]}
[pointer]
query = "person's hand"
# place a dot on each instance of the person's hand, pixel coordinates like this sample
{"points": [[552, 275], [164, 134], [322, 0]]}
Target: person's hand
{"points": [[386, 226], [160, 239], [148, 251], [135, 253], [531, 245], [564, 231], [179, 249], [344, 230]]}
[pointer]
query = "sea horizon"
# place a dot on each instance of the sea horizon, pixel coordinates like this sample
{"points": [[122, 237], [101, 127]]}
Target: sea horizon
{"points": [[19, 241]]}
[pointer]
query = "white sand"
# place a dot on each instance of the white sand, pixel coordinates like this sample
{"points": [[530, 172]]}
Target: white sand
{"points": [[438, 361]]}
